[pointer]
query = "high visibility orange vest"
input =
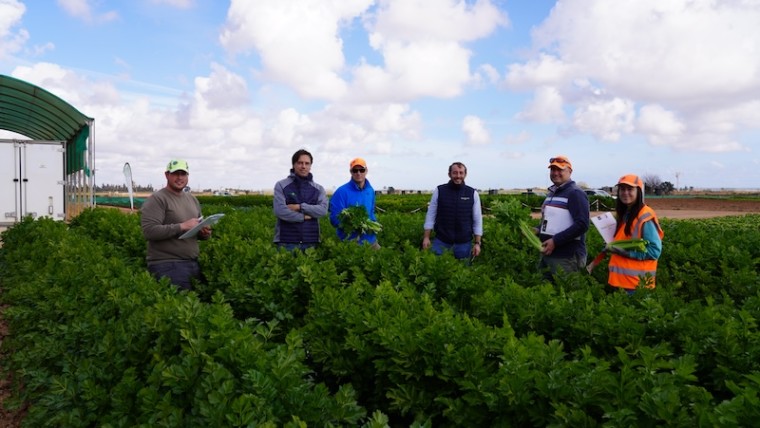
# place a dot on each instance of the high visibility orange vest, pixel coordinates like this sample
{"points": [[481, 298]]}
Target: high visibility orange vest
{"points": [[626, 272]]}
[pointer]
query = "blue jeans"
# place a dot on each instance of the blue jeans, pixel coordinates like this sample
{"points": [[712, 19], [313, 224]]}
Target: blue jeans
{"points": [[461, 251], [180, 272]]}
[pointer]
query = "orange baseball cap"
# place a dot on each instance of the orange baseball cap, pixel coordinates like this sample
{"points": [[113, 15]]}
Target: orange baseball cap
{"points": [[633, 181], [560, 162], [358, 162]]}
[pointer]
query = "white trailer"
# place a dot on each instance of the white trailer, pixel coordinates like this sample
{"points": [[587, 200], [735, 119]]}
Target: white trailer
{"points": [[32, 180]]}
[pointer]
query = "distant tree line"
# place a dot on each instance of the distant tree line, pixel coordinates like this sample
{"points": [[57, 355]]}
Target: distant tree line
{"points": [[123, 188], [653, 185]]}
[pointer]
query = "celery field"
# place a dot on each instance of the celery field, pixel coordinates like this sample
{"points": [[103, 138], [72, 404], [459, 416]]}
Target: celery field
{"points": [[343, 335]]}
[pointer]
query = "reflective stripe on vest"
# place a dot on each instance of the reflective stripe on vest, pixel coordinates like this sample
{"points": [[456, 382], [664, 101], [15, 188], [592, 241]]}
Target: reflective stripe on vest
{"points": [[625, 272]]}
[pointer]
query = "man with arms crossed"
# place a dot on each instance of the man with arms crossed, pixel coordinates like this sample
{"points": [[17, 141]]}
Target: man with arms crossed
{"points": [[298, 204]]}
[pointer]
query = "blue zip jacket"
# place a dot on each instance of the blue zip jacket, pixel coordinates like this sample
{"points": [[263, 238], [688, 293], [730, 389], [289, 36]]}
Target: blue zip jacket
{"points": [[349, 195]]}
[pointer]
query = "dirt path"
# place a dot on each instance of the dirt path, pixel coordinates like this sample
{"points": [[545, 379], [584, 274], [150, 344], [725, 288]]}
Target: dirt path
{"points": [[684, 208], [702, 207]]}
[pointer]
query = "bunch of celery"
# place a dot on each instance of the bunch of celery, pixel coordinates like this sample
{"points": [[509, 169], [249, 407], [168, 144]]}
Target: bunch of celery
{"points": [[623, 245], [530, 234], [629, 245], [356, 220]]}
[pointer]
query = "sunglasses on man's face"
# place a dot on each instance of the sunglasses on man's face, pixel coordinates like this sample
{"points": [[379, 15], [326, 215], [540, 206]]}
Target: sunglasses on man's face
{"points": [[358, 170], [557, 160]]}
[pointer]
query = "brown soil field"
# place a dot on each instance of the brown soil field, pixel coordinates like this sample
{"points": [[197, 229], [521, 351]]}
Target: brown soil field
{"points": [[685, 208], [702, 207]]}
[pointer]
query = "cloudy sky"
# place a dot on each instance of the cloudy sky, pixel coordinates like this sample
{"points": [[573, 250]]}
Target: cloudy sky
{"points": [[667, 88]]}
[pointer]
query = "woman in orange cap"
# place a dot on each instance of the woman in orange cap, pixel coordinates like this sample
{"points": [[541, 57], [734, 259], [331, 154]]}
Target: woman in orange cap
{"points": [[635, 220]]}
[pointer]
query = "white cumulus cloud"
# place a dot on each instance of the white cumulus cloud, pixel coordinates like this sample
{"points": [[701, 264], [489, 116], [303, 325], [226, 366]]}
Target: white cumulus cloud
{"points": [[11, 39], [545, 107], [83, 9], [475, 130], [606, 120], [298, 41], [692, 58]]}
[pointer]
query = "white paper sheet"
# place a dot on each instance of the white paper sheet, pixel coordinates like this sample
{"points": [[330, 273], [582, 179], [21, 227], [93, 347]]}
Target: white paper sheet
{"points": [[606, 224], [555, 220], [208, 221]]}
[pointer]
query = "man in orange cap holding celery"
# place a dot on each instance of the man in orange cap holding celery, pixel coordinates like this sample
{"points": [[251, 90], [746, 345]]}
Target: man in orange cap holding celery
{"points": [[564, 222], [357, 192]]}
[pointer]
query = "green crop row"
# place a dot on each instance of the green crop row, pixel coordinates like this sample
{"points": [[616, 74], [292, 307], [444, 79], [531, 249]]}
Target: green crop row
{"points": [[95, 341], [345, 335], [407, 203]]}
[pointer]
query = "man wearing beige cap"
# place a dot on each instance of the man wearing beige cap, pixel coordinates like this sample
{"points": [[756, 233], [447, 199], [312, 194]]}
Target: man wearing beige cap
{"points": [[357, 192], [564, 222], [166, 215]]}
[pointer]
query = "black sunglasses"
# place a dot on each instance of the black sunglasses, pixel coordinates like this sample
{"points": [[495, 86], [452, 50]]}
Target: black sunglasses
{"points": [[558, 160], [358, 170]]}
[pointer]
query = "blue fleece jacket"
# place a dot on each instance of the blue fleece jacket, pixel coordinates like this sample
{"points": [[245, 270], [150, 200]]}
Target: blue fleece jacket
{"points": [[349, 195]]}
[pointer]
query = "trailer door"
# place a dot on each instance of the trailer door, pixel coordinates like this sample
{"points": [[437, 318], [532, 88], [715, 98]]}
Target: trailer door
{"points": [[9, 183], [42, 181], [31, 180]]}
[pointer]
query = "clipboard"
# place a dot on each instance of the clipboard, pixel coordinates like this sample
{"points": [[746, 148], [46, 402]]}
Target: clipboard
{"points": [[606, 225], [555, 220], [208, 221]]}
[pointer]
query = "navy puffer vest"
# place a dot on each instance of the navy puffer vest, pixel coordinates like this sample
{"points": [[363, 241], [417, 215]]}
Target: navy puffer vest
{"points": [[453, 222], [300, 191]]}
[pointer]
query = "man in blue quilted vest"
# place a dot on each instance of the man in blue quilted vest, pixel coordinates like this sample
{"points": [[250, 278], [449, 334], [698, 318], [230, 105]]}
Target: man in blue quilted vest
{"points": [[298, 204], [455, 215]]}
